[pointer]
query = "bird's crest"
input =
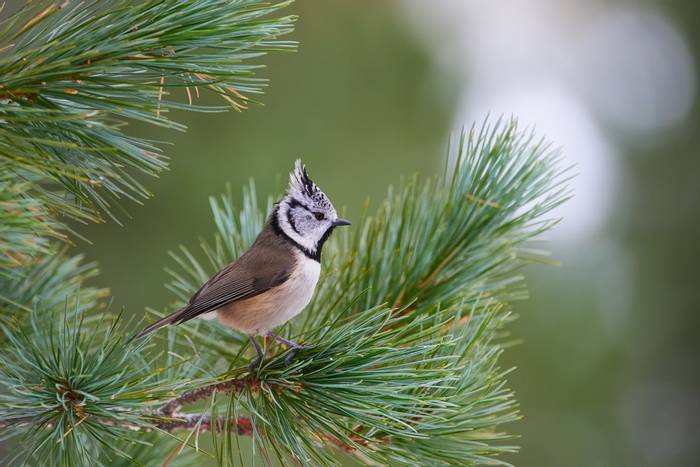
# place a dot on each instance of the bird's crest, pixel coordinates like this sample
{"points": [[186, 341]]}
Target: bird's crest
{"points": [[300, 185]]}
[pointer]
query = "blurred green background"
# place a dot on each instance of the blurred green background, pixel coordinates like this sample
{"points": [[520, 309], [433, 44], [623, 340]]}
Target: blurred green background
{"points": [[608, 372]]}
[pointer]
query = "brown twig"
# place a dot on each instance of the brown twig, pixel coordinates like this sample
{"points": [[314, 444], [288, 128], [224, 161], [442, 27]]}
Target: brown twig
{"points": [[27, 95], [169, 418], [202, 393], [242, 425], [15, 421], [178, 421]]}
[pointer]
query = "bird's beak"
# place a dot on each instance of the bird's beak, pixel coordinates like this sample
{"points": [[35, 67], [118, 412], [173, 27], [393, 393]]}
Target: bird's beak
{"points": [[340, 221]]}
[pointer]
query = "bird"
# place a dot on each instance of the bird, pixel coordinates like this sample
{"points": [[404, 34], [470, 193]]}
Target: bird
{"points": [[274, 280]]}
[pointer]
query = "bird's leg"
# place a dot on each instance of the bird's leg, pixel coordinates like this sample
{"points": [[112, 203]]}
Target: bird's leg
{"points": [[287, 342], [257, 360], [291, 344]]}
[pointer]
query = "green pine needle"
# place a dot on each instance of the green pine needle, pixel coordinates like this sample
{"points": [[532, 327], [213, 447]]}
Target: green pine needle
{"points": [[73, 74], [49, 281], [405, 330], [65, 383], [403, 337]]}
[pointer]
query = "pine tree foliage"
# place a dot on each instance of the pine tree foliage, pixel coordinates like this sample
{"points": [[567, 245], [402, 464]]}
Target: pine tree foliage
{"points": [[73, 73], [438, 266], [51, 373], [72, 76], [53, 280], [409, 375], [403, 337]]}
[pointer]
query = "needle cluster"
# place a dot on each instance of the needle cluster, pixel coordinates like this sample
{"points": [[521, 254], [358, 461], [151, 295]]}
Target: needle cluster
{"points": [[402, 340], [404, 333], [74, 73]]}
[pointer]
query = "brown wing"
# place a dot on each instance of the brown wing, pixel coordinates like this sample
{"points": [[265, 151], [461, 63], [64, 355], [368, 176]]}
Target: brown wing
{"points": [[265, 265]]}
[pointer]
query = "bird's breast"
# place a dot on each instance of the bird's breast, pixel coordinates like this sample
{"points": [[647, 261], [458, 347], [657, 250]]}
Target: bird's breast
{"points": [[264, 312], [298, 290]]}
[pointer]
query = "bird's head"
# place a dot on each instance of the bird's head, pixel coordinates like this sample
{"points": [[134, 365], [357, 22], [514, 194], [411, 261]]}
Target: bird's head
{"points": [[305, 214]]}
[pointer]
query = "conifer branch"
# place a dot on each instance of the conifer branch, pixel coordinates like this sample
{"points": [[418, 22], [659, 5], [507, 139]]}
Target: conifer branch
{"points": [[202, 393], [402, 341], [173, 422], [448, 264], [242, 426], [73, 73]]}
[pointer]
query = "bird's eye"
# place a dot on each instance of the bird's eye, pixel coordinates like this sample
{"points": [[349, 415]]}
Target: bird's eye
{"points": [[319, 216]]}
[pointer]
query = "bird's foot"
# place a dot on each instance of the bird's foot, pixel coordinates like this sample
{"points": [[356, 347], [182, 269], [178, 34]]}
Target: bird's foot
{"points": [[293, 347], [255, 363], [292, 353]]}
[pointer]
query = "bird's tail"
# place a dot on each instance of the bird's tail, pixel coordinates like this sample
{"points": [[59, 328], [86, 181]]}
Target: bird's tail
{"points": [[160, 323]]}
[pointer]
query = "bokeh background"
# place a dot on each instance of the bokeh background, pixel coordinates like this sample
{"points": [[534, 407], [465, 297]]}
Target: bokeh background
{"points": [[608, 370]]}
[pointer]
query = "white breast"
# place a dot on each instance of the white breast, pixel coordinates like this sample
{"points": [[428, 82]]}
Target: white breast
{"points": [[270, 309], [297, 291]]}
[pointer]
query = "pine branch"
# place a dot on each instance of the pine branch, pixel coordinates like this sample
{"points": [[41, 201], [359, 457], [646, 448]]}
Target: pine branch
{"points": [[202, 393], [200, 422], [63, 376], [47, 282], [174, 422], [169, 418], [402, 341], [445, 250], [241, 426], [25, 224], [73, 73]]}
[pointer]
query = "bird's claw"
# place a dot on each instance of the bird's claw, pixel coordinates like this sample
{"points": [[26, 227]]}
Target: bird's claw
{"points": [[292, 353], [255, 363], [293, 347]]}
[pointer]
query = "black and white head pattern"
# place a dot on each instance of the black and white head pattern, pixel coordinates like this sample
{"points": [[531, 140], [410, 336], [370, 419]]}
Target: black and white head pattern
{"points": [[305, 214]]}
